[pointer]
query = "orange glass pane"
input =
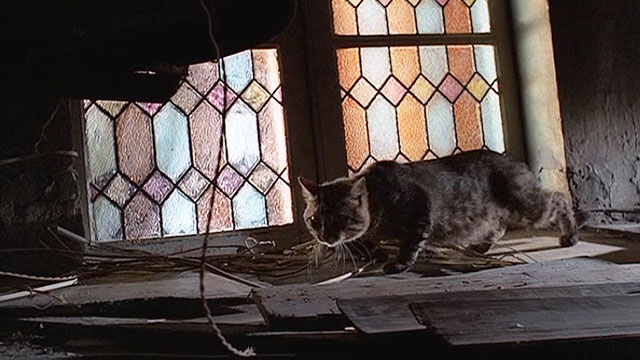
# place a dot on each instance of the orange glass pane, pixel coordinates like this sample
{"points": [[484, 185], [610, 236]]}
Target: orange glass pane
{"points": [[355, 130], [468, 122], [221, 216], [461, 62], [135, 144], [348, 67], [401, 17], [266, 68], [344, 18], [405, 64], [412, 128], [279, 204], [457, 17]]}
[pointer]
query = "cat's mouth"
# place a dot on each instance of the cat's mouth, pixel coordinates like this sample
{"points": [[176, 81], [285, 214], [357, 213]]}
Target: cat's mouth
{"points": [[337, 243]]}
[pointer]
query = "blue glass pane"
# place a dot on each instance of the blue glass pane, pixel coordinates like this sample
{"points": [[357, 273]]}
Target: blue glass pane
{"points": [[383, 130], [442, 130], [172, 141], [430, 18], [108, 220], [433, 62], [242, 138], [492, 122], [239, 70], [485, 62], [100, 144], [178, 215], [372, 19], [249, 208]]}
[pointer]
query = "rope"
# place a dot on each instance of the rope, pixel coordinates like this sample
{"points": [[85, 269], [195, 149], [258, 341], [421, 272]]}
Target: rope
{"points": [[248, 351]]}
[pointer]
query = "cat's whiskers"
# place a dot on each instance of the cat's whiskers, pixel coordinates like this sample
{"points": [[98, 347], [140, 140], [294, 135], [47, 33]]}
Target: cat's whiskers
{"points": [[366, 253], [353, 260]]}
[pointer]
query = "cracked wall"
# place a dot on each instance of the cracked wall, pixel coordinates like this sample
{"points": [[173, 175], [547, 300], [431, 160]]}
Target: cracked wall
{"points": [[597, 55]]}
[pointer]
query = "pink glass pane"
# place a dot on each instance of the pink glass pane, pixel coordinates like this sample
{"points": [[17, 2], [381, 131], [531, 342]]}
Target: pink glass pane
{"points": [[215, 97], [158, 186], [229, 180], [206, 125]]}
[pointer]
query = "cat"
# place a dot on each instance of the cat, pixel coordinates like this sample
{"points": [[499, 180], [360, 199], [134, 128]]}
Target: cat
{"points": [[465, 200]]}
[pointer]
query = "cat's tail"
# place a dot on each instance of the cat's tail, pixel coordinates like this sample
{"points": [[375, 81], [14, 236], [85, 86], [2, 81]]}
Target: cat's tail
{"points": [[582, 218]]}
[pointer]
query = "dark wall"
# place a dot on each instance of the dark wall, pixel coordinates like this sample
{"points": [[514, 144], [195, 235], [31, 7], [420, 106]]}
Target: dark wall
{"points": [[597, 55], [37, 192]]}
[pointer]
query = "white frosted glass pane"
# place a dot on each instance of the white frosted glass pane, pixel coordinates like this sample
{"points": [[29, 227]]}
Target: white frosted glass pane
{"points": [[372, 18], [485, 62], [242, 138], [108, 220], [433, 63], [480, 17], [376, 64], [383, 130], [442, 131], [430, 17], [492, 122], [100, 144], [178, 215], [249, 208]]}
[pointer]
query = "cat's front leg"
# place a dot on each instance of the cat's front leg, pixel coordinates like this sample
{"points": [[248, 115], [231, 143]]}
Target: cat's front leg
{"points": [[404, 261]]}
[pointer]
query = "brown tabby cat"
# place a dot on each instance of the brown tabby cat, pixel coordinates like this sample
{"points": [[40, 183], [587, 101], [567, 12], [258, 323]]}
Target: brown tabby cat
{"points": [[467, 200]]}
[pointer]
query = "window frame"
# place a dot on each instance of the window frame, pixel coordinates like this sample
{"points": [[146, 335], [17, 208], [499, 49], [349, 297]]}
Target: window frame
{"points": [[300, 150]]}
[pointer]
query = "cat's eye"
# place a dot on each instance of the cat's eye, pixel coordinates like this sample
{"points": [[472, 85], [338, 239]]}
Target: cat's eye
{"points": [[311, 219]]}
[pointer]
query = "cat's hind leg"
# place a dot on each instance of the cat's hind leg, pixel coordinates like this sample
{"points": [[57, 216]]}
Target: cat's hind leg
{"points": [[560, 213], [554, 209], [487, 242]]}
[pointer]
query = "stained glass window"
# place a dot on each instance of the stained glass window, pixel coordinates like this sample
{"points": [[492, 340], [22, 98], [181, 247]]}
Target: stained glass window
{"points": [[408, 103], [416, 102], [397, 17], [152, 166]]}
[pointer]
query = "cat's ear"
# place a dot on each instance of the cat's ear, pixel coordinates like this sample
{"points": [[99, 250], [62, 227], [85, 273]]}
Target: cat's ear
{"points": [[359, 188], [309, 187]]}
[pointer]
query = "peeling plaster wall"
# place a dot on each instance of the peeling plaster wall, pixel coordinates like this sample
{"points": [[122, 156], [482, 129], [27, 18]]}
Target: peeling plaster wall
{"points": [[597, 55]]}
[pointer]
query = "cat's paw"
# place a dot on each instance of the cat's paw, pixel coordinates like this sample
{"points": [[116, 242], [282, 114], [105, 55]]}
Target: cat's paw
{"points": [[569, 240], [395, 268]]}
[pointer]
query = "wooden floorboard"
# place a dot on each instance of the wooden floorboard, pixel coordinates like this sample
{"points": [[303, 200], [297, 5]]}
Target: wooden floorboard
{"points": [[291, 305], [518, 320], [388, 314], [183, 285]]}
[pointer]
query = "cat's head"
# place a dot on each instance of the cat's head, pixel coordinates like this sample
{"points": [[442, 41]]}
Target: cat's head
{"points": [[337, 212]]}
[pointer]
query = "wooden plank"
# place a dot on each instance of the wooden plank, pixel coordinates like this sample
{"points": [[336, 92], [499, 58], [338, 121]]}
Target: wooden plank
{"points": [[517, 320], [620, 228], [183, 285], [387, 314], [291, 305]]}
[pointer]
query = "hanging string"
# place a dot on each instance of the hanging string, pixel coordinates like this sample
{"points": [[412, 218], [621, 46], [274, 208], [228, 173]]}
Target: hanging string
{"points": [[248, 351]]}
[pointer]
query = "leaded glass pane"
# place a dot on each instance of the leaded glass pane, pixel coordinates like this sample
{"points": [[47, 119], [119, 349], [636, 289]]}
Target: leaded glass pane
{"points": [[419, 102], [408, 17], [152, 166]]}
